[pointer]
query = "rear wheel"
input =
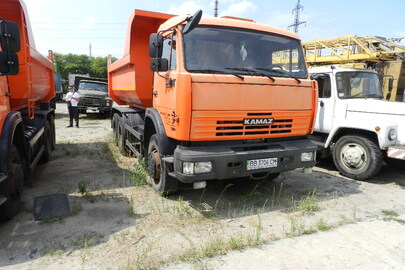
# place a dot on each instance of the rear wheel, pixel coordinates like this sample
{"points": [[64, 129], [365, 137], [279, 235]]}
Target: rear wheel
{"points": [[161, 180], [47, 142], [12, 188], [357, 157], [122, 136], [53, 133], [115, 124]]}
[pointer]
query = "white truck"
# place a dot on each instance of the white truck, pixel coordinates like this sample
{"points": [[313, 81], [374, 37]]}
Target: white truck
{"points": [[354, 124]]}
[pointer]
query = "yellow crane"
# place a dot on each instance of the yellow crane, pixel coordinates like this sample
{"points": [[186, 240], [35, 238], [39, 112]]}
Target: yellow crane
{"points": [[384, 55]]}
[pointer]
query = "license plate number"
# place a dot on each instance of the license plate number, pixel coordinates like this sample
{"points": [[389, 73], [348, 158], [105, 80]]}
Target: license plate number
{"points": [[263, 163]]}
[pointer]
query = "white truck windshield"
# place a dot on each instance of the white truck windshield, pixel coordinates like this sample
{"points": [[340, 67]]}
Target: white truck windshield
{"points": [[209, 49]]}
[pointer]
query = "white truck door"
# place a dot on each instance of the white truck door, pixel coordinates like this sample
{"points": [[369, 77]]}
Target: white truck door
{"points": [[326, 103]]}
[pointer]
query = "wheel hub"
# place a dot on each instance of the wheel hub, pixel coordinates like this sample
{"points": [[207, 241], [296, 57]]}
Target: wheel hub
{"points": [[353, 155], [154, 165]]}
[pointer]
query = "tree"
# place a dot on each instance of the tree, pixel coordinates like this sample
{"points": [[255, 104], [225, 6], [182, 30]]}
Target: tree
{"points": [[80, 64]]}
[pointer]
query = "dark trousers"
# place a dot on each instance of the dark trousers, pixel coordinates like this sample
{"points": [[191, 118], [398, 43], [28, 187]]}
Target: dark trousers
{"points": [[73, 114]]}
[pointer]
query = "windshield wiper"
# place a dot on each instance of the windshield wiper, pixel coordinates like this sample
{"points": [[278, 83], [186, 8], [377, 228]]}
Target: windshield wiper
{"points": [[218, 71], [254, 71], [279, 71]]}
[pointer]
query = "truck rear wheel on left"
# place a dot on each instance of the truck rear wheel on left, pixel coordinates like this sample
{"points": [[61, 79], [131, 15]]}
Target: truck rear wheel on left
{"points": [[47, 142], [357, 157], [161, 180], [13, 186]]}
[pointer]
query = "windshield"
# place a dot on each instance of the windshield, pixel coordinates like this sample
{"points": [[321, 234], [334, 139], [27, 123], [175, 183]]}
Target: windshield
{"points": [[93, 86], [358, 84], [209, 49]]}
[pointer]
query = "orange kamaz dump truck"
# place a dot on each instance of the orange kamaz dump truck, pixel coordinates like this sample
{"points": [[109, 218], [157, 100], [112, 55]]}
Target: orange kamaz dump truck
{"points": [[212, 98], [27, 129]]}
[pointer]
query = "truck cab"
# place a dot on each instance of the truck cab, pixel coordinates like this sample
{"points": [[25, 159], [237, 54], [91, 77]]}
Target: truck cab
{"points": [[211, 99], [94, 96], [354, 123]]}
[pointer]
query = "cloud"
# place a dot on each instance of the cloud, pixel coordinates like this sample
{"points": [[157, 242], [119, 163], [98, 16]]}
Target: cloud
{"points": [[89, 22], [240, 9], [188, 7]]}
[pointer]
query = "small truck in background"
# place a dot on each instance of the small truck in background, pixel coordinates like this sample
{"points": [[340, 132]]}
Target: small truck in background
{"points": [[355, 124], [27, 127], [212, 98], [93, 94]]}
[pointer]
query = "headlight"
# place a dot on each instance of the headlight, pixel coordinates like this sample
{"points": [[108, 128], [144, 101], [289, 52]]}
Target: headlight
{"points": [[197, 167], [307, 156], [392, 134]]}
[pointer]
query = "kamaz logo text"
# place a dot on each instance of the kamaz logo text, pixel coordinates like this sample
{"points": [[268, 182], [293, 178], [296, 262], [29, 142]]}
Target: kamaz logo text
{"points": [[258, 121]]}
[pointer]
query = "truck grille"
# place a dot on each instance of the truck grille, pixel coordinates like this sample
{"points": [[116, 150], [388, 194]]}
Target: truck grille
{"points": [[91, 102], [206, 125]]}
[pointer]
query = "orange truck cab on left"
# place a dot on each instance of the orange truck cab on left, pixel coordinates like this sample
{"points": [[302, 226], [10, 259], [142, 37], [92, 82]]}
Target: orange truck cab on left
{"points": [[27, 128]]}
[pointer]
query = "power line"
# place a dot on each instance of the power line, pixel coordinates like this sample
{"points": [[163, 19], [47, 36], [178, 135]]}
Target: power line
{"points": [[298, 8]]}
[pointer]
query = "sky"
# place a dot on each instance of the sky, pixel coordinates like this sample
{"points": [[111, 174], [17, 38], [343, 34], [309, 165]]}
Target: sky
{"points": [[73, 26]]}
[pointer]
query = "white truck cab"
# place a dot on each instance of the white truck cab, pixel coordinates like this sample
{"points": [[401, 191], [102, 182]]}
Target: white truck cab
{"points": [[354, 124]]}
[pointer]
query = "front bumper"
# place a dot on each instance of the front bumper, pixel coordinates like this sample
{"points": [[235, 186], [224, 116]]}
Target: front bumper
{"points": [[230, 161], [100, 109]]}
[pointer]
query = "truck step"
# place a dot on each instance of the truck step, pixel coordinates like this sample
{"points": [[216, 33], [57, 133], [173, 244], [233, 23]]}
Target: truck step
{"points": [[168, 159]]}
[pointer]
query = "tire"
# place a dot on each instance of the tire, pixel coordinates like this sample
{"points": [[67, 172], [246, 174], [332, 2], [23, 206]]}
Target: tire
{"points": [[115, 123], [53, 133], [122, 136], [47, 142], [13, 186], [161, 181], [357, 157]]}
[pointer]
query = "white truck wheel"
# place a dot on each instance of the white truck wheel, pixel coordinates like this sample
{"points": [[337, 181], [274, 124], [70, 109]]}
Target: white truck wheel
{"points": [[357, 157]]}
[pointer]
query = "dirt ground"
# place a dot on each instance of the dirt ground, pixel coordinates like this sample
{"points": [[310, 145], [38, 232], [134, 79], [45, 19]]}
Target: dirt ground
{"points": [[299, 221]]}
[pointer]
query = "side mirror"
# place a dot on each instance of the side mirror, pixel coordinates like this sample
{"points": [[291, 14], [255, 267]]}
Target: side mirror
{"points": [[8, 63], [160, 64], [155, 45], [193, 22], [9, 36]]}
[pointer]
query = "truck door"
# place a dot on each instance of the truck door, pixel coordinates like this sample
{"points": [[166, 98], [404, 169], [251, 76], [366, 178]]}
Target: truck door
{"points": [[326, 104], [165, 87]]}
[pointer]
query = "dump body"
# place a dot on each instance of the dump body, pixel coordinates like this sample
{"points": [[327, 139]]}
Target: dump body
{"points": [[27, 128], [130, 78], [232, 98], [35, 82]]}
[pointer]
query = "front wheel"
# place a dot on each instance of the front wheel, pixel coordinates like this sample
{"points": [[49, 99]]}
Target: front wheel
{"points": [[357, 157], [157, 169], [12, 188]]}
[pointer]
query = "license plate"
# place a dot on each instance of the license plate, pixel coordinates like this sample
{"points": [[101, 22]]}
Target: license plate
{"points": [[263, 163]]}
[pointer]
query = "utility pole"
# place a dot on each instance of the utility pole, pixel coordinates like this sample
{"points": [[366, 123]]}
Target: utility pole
{"points": [[90, 49], [298, 8], [216, 9]]}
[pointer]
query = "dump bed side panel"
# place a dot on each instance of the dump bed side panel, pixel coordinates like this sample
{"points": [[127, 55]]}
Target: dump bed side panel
{"points": [[130, 78], [35, 82]]}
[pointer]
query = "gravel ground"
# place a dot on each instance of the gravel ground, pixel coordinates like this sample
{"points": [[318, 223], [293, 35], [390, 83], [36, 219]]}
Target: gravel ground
{"points": [[299, 221]]}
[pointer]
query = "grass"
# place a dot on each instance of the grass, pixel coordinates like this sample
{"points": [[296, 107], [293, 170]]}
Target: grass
{"points": [[87, 240], [139, 173], [310, 203], [391, 215]]}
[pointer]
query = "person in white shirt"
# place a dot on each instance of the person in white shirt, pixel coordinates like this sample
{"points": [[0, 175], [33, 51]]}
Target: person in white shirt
{"points": [[72, 99]]}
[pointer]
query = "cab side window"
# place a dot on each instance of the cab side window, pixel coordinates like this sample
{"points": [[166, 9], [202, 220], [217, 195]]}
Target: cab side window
{"points": [[324, 87], [169, 51]]}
